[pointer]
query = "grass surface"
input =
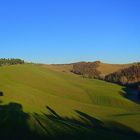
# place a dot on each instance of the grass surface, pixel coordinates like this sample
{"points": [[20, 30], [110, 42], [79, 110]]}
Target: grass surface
{"points": [[72, 102], [106, 69]]}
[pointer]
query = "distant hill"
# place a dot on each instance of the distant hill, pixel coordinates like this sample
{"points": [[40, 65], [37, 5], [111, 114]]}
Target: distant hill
{"points": [[103, 68], [106, 69], [67, 68], [115, 73]]}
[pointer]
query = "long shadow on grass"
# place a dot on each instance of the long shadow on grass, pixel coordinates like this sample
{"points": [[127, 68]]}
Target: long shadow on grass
{"points": [[14, 126], [84, 128], [14, 123]]}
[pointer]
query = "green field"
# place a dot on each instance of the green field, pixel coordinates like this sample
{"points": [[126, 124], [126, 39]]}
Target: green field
{"points": [[43, 103]]}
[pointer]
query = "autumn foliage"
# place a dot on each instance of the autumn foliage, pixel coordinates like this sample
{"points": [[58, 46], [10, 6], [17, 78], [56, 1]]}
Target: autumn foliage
{"points": [[87, 69], [125, 76]]}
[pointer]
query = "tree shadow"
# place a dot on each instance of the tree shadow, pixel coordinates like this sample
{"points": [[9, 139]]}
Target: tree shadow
{"points": [[14, 125], [84, 128]]}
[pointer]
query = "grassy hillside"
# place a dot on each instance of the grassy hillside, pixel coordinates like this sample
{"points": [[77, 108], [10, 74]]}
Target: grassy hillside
{"points": [[67, 68], [106, 69], [57, 103]]}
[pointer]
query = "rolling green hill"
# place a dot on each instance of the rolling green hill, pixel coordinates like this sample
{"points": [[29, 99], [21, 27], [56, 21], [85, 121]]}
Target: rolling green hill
{"points": [[57, 104]]}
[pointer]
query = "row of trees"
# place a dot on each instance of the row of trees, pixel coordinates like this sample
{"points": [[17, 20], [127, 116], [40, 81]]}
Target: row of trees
{"points": [[4, 61], [87, 69], [125, 76]]}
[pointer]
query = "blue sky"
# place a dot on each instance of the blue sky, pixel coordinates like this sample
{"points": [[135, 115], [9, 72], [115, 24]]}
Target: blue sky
{"points": [[63, 31]]}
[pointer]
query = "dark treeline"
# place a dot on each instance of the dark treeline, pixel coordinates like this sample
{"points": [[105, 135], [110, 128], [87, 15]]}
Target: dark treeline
{"points": [[125, 76], [12, 61], [87, 69]]}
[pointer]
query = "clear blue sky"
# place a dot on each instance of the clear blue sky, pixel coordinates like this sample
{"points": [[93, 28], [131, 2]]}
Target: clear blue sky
{"points": [[63, 31]]}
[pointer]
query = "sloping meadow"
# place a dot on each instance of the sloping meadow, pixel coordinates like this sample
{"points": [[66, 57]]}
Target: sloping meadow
{"points": [[43, 103]]}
